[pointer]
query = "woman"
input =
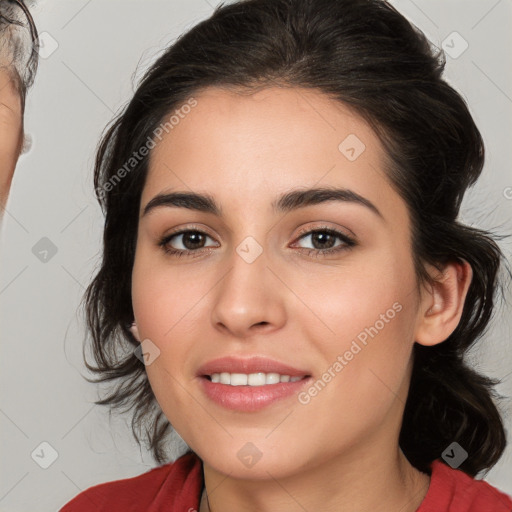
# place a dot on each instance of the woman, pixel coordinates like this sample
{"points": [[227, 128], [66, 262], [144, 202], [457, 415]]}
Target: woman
{"points": [[326, 376]]}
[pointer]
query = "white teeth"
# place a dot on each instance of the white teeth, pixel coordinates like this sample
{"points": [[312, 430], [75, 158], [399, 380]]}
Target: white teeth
{"points": [[238, 379], [272, 378], [256, 379], [252, 379]]}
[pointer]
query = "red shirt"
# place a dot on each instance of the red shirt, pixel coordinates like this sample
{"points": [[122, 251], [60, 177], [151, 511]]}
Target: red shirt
{"points": [[177, 487]]}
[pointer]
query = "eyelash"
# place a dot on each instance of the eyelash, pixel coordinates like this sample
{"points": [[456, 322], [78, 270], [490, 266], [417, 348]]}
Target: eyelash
{"points": [[348, 243]]}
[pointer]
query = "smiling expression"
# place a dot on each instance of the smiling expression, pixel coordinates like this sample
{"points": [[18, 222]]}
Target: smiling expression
{"points": [[250, 278]]}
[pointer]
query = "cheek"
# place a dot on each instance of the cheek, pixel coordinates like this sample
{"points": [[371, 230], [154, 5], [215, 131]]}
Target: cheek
{"points": [[371, 312], [163, 297], [369, 293], [165, 306]]}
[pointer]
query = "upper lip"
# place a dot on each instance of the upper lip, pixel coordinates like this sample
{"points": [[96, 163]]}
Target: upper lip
{"points": [[249, 365]]}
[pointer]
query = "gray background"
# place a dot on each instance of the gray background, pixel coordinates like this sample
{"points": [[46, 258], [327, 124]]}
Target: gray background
{"points": [[103, 48]]}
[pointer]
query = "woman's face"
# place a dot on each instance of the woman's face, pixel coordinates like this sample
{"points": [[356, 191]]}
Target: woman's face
{"points": [[255, 283]]}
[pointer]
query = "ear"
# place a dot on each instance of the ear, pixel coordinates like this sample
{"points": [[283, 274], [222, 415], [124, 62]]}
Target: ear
{"points": [[441, 305], [135, 331]]}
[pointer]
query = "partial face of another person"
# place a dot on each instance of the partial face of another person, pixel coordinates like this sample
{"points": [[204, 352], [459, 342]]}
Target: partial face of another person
{"points": [[326, 289], [18, 65], [11, 132]]}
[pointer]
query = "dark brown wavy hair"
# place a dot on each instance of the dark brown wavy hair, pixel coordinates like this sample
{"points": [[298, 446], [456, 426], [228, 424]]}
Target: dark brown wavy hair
{"points": [[366, 55]]}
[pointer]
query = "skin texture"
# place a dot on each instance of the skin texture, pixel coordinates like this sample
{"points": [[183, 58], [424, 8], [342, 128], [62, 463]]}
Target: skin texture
{"points": [[18, 66], [11, 133], [342, 447]]}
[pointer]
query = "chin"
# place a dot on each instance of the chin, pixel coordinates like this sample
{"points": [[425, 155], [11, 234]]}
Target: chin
{"points": [[252, 461]]}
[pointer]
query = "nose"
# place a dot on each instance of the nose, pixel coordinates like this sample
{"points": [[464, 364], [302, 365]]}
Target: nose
{"points": [[249, 298]]}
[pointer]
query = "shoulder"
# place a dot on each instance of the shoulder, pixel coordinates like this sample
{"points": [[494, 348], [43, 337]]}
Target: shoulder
{"points": [[178, 483], [455, 491]]}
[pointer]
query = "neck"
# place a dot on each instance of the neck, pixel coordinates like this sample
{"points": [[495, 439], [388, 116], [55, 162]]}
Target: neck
{"points": [[352, 484]]}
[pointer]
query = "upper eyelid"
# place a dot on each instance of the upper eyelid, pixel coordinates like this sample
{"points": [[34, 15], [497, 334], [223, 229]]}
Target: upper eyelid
{"points": [[186, 229], [340, 231], [302, 232]]}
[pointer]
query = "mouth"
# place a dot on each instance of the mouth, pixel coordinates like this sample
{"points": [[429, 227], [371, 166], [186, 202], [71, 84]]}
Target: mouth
{"points": [[249, 385], [253, 371], [252, 379]]}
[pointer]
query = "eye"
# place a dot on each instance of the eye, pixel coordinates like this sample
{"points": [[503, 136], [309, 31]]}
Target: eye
{"points": [[192, 241], [323, 239]]}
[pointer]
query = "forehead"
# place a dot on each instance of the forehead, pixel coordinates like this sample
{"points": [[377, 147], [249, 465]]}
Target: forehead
{"points": [[244, 149]]}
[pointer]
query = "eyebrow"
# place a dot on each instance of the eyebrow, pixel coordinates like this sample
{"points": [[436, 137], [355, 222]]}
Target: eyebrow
{"points": [[285, 203]]}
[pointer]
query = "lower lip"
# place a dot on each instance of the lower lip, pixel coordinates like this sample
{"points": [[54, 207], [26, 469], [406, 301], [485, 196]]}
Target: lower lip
{"points": [[250, 398]]}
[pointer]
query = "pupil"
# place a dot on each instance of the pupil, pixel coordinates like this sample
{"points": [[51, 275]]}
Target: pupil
{"points": [[320, 236], [198, 237]]}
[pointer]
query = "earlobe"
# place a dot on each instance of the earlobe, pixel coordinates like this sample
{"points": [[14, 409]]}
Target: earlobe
{"points": [[135, 331], [441, 307]]}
